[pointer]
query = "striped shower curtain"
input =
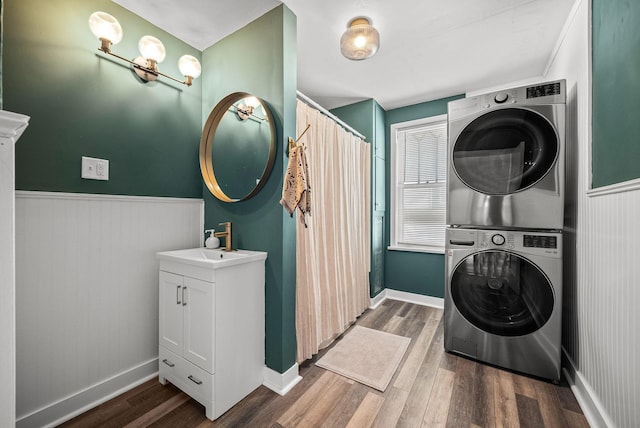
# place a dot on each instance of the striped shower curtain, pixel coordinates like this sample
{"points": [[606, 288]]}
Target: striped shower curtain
{"points": [[332, 257]]}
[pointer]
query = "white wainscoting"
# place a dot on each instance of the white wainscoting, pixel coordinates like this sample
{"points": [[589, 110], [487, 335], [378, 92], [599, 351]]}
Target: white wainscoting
{"points": [[602, 249], [87, 295]]}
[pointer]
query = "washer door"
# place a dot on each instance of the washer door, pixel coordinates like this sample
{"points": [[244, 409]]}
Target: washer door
{"points": [[502, 293], [505, 151]]}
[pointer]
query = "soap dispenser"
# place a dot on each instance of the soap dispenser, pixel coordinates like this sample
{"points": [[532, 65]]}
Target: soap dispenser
{"points": [[212, 241]]}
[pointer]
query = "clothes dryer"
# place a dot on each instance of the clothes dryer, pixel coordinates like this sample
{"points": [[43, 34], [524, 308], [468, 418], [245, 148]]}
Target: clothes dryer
{"points": [[506, 158], [503, 298]]}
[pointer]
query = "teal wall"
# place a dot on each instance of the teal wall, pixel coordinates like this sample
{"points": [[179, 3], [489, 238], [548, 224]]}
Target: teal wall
{"points": [[361, 116], [413, 272], [616, 85], [368, 118], [420, 273], [261, 59], [82, 103]]}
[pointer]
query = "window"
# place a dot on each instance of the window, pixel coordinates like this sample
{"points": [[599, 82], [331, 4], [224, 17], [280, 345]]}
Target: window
{"points": [[418, 184]]}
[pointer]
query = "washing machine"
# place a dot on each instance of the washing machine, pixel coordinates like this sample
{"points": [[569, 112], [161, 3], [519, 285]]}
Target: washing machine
{"points": [[506, 158], [503, 298]]}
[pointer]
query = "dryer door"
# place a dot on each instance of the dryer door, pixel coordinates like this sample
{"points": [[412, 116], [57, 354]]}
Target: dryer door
{"points": [[505, 151], [502, 293]]}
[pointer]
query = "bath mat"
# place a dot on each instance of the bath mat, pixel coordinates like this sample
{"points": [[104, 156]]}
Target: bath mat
{"points": [[368, 356]]}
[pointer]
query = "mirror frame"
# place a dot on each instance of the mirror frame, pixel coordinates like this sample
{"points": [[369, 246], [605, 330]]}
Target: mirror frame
{"points": [[206, 147]]}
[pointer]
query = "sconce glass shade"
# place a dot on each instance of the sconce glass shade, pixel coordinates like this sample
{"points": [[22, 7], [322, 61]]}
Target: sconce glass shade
{"points": [[189, 66], [360, 41], [105, 26], [152, 48], [252, 102]]}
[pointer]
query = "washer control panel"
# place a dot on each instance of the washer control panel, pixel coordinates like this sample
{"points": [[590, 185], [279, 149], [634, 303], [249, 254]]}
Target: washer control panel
{"points": [[530, 242]]}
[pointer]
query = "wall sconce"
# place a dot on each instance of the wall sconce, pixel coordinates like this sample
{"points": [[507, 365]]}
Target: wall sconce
{"points": [[360, 40], [246, 107], [108, 30]]}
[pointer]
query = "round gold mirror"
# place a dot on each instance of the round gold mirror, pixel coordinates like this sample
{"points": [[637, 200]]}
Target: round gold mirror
{"points": [[238, 147]]}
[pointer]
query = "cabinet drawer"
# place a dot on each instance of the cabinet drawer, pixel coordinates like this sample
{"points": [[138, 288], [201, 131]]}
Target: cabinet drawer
{"points": [[191, 379]]}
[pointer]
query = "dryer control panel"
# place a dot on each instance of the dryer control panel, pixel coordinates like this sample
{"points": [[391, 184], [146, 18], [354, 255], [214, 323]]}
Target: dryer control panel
{"points": [[542, 94], [546, 90]]}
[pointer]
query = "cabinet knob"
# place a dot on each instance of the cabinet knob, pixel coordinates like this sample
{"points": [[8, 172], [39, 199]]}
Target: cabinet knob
{"points": [[184, 301], [169, 363], [178, 302]]}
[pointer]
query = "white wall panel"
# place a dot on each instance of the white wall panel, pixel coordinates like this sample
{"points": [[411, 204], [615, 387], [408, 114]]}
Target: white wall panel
{"points": [[7, 285], [12, 126], [601, 281], [87, 288]]}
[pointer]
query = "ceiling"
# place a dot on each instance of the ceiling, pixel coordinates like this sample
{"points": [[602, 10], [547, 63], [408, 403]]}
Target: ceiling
{"points": [[429, 49]]}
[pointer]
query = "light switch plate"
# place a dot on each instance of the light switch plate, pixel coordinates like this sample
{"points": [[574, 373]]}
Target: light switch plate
{"points": [[94, 168]]}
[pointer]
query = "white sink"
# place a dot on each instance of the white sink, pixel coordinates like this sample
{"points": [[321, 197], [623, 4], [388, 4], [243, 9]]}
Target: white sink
{"points": [[211, 258]]}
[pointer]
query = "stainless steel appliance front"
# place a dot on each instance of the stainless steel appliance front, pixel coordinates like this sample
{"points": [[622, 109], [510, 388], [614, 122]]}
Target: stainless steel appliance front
{"points": [[506, 158], [503, 298]]}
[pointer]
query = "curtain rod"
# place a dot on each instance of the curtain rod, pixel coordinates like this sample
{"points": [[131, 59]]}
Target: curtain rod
{"points": [[326, 112]]}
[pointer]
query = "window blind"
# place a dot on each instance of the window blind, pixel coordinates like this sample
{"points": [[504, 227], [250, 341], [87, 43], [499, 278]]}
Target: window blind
{"points": [[421, 185]]}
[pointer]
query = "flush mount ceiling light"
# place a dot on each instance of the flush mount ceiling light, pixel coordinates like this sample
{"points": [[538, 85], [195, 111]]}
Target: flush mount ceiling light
{"points": [[108, 30], [360, 41]]}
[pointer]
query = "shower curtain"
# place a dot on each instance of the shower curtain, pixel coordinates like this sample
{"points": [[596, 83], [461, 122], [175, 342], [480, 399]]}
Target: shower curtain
{"points": [[332, 257]]}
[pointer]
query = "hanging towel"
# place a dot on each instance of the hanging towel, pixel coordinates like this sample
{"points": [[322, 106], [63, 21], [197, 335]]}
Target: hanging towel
{"points": [[296, 189]]}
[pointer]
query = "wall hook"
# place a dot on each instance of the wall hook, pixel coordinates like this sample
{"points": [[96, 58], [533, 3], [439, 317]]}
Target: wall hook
{"points": [[293, 143]]}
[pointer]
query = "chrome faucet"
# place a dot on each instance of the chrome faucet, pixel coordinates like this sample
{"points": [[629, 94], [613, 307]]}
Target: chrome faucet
{"points": [[226, 235]]}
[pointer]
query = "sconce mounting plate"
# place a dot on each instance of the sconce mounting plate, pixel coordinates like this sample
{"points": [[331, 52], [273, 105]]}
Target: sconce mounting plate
{"points": [[244, 111], [140, 68]]}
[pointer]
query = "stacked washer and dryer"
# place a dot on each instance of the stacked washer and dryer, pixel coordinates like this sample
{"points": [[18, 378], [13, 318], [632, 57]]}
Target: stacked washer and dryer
{"points": [[505, 211]]}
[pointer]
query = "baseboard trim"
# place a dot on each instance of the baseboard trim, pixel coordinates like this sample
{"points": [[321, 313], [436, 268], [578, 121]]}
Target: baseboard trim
{"points": [[418, 299], [73, 405], [591, 406], [376, 301], [281, 383]]}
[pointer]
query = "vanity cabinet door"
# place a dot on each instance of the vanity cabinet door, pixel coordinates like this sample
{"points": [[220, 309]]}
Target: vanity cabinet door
{"points": [[198, 319], [171, 312]]}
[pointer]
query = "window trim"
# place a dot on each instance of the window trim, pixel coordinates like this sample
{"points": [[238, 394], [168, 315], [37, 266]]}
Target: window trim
{"points": [[394, 128]]}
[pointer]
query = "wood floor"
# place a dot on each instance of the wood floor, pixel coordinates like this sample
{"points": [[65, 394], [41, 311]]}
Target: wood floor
{"points": [[430, 389]]}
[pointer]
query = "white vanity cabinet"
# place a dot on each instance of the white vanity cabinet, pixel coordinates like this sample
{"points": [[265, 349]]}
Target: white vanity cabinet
{"points": [[186, 318], [211, 329]]}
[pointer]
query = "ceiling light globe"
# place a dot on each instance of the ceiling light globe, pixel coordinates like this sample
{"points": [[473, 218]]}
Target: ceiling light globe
{"points": [[152, 48], [360, 41], [189, 66], [105, 26]]}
